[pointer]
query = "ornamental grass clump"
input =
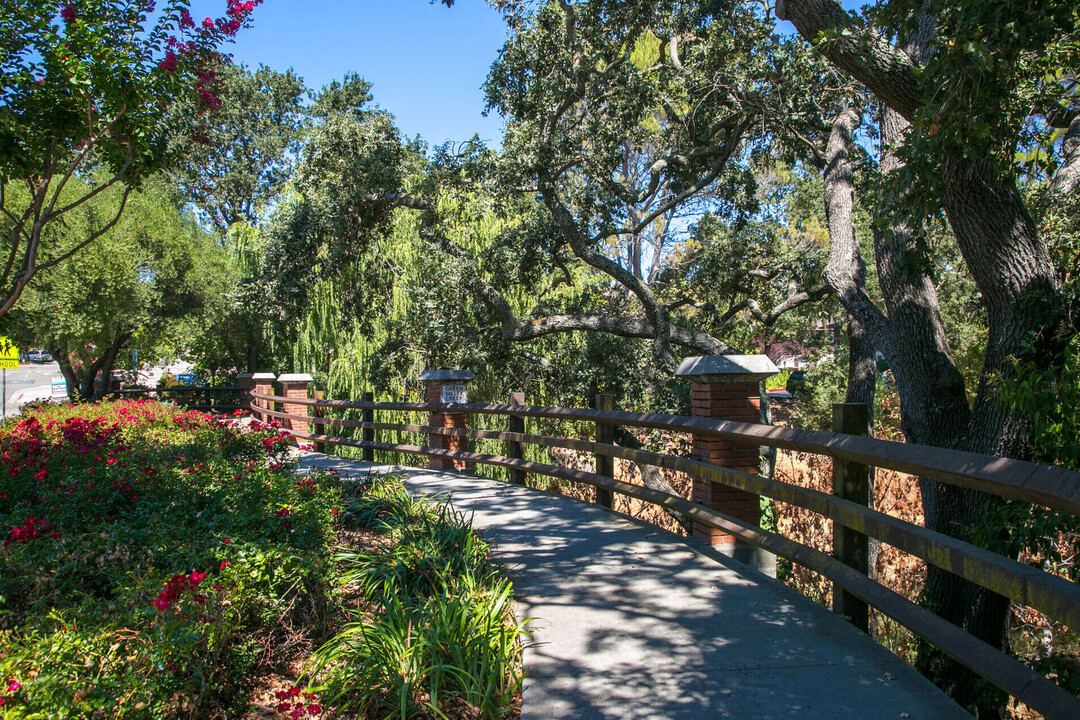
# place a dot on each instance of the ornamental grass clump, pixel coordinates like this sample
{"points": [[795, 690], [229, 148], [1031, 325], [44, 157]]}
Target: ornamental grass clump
{"points": [[437, 636], [151, 559]]}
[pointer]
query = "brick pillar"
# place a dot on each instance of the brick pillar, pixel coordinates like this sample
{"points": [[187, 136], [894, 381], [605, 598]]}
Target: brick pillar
{"points": [[296, 386], [262, 383], [447, 386], [726, 387]]}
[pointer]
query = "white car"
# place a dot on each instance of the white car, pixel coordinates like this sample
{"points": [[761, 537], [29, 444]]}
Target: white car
{"points": [[39, 356]]}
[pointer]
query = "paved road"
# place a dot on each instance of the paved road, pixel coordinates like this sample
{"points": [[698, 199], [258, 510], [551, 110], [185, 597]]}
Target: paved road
{"points": [[29, 377], [630, 621]]}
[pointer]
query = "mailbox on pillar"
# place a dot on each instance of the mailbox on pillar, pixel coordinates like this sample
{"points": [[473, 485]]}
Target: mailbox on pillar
{"points": [[447, 386], [727, 387]]}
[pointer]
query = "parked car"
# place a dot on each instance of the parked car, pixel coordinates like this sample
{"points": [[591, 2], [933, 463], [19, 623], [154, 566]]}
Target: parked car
{"points": [[796, 383], [39, 356]]}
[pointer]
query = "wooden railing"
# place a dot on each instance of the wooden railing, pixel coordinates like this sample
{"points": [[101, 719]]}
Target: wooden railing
{"points": [[222, 399], [1052, 487]]}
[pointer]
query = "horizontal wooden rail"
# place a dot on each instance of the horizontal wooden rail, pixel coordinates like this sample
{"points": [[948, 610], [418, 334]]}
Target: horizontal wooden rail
{"points": [[222, 389], [1007, 673], [1028, 585], [1017, 581], [1053, 487], [219, 399]]}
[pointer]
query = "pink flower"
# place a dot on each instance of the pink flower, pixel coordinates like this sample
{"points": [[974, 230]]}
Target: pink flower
{"points": [[168, 64], [224, 564]]}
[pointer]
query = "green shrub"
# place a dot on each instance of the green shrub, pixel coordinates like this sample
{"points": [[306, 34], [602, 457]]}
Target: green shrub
{"points": [[439, 628], [146, 549], [778, 381]]}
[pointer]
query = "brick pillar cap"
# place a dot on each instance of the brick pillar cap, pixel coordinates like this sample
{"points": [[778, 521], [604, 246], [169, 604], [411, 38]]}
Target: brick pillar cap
{"points": [[295, 378], [264, 376], [444, 374], [246, 376], [726, 368]]}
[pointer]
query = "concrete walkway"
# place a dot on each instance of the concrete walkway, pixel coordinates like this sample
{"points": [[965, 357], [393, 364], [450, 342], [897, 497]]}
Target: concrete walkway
{"points": [[630, 621]]}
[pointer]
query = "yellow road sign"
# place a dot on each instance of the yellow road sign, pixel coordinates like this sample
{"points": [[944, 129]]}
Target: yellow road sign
{"points": [[9, 364], [8, 352]]}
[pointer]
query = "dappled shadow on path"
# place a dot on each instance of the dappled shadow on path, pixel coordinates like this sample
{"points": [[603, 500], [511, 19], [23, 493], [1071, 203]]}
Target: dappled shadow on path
{"points": [[630, 621]]}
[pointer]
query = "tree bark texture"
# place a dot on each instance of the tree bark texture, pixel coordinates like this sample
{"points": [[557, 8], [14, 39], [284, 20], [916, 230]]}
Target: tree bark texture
{"points": [[1013, 271]]}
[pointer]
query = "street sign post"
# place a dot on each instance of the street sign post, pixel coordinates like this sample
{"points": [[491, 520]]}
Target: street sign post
{"points": [[453, 394], [59, 389], [9, 354], [9, 359]]}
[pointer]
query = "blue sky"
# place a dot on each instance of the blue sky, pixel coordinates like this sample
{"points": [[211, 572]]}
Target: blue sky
{"points": [[427, 62]]}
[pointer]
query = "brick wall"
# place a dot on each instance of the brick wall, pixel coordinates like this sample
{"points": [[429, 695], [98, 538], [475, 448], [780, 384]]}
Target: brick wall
{"points": [[445, 442], [738, 402], [296, 390]]}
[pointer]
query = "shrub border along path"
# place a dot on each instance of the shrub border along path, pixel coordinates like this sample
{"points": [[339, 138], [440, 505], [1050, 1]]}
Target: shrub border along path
{"points": [[630, 621]]}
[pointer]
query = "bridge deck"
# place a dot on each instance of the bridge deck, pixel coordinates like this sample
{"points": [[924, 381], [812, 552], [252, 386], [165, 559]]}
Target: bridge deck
{"points": [[630, 621]]}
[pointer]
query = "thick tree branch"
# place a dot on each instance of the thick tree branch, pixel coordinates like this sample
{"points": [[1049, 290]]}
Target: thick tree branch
{"points": [[790, 303], [845, 272], [582, 248], [30, 266], [517, 330], [1067, 178], [94, 236], [860, 51]]}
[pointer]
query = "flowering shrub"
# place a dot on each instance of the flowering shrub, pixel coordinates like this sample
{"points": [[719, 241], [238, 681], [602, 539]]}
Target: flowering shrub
{"points": [[149, 556], [296, 703]]}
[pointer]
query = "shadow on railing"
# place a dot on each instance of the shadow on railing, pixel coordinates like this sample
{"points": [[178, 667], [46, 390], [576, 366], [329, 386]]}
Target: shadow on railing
{"points": [[1053, 487], [215, 400]]}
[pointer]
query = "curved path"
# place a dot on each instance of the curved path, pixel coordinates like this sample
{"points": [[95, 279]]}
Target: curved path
{"points": [[630, 621]]}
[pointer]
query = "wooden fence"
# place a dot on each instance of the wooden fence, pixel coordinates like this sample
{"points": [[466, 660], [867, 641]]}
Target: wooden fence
{"points": [[1052, 487], [225, 399]]}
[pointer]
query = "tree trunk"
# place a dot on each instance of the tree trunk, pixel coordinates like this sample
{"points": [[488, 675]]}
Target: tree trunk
{"points": [[66, 369], [933, 399]]}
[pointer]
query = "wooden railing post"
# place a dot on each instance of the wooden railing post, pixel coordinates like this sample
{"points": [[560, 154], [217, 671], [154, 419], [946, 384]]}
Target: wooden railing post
{"points": [[318, 428], [514, 449], [368, 416], [851, 481], [605, 464], [245, 381]]}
